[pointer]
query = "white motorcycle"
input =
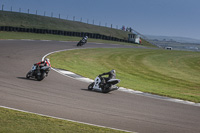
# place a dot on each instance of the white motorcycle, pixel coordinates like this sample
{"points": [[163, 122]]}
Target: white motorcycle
{"points": [[101, 85]]}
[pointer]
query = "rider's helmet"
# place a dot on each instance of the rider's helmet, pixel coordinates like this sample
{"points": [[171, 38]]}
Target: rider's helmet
{"points": [[86, 37], [47, 62], [113, 71]]}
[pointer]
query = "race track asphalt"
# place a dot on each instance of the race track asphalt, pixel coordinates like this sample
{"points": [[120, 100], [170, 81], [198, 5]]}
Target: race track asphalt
{"points": [[67, 98]]}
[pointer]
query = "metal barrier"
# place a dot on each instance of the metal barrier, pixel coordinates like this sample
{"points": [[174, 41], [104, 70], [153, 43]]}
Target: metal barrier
{"points": [[60, 32]]}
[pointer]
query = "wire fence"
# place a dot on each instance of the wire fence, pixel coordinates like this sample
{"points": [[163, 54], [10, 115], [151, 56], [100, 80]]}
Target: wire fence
{"points": [[72, 18], [65, 33]]}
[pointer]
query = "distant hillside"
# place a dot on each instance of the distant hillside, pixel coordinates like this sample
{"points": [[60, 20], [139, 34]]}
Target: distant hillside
{"points": [[176, 43], [35, 21], [171, 38]]}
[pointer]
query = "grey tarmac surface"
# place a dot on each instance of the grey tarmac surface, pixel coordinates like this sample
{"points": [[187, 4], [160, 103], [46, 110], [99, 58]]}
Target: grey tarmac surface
{"points": [[64, 97]]}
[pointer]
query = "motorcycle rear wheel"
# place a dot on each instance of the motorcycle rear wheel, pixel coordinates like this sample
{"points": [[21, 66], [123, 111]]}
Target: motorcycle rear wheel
{"points": [[41, 77], [106, 88], [106, 91]]}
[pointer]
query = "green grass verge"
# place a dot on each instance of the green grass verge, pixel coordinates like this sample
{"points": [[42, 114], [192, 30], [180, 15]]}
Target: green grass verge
{"points": [[12, 121], [167, 73], [34, 36]]}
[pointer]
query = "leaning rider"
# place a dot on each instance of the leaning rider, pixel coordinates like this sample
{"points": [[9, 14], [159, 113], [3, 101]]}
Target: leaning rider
{"points": [[46, 62], [84, 39], [112, 75]]}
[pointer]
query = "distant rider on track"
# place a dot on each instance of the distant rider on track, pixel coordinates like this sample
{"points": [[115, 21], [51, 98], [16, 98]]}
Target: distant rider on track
{"points": [[82, 41]]}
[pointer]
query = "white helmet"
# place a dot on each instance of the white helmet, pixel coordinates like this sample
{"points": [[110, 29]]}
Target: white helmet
{"points": [[113, 71], [47, 61]]}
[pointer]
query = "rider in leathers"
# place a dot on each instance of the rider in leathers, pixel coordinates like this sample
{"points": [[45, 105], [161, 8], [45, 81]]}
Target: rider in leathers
{"points": [[111, 75], [46, 62], [84, 39]]}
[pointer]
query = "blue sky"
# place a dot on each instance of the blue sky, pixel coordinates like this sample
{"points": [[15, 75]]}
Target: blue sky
{"points": [[153, 17]]}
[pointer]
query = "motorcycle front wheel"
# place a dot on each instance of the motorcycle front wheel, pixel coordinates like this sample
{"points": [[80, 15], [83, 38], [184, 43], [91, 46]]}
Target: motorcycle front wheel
{"points": [[90, 87], [28, 75], [79, 44]]}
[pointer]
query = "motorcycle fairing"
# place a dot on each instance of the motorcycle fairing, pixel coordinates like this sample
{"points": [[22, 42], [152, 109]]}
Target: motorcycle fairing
{"points": [[45, 67], [97, 81]]}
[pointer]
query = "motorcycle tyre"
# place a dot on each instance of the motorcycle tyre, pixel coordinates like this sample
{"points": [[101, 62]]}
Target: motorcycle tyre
{"points": [[28, 75], [78, 44], [41, 77], [105, 90], [90, 87]]}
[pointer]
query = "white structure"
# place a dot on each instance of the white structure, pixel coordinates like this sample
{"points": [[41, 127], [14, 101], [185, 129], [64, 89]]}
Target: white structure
{"points": [[134, 38]]}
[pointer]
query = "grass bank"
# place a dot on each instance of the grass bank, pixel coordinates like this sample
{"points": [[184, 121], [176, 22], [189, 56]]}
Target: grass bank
{"points": [[18, 122], [24, 20], [167, 73]]}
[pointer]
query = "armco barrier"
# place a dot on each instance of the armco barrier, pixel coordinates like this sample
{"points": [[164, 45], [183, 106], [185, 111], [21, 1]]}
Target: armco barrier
{"points": [[60, 32]]}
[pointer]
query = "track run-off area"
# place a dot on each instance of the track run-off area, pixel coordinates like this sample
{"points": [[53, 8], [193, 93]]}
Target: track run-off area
{"points": [[67, 98]]}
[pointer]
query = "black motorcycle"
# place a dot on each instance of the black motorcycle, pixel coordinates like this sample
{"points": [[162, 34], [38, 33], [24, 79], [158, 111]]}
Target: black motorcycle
{"points": [[82, 42], [39, 73]]}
